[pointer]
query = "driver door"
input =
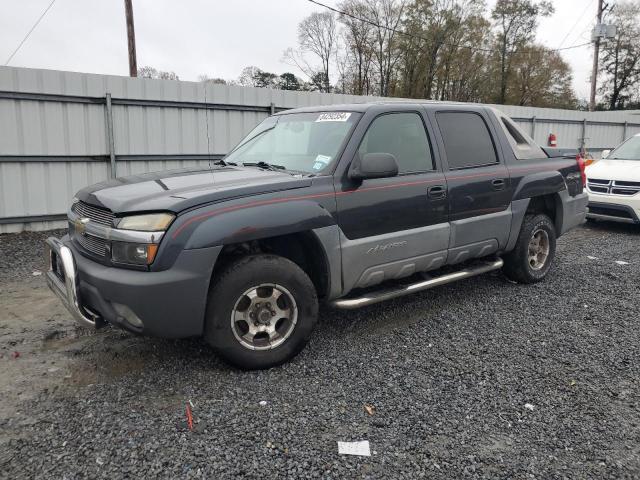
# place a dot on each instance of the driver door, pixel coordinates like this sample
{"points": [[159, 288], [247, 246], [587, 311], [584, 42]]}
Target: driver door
{"points": [[394, 227]]}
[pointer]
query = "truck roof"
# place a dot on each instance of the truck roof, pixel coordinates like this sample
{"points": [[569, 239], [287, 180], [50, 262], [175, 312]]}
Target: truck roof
{"points": [[363, 107]]}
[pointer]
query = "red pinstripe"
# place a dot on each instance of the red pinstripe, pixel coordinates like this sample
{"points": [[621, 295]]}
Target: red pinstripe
{"points": [[272, 201]]}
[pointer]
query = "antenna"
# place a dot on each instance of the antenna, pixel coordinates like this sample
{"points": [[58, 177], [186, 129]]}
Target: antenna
{"points": [[206, 117]]}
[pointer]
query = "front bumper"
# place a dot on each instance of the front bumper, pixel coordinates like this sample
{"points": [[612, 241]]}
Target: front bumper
{"points": [[616, 208], [62, 279], [169, 303]]}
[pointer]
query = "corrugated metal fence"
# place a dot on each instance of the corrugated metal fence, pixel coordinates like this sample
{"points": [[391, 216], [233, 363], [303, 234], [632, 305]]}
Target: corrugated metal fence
{"points": [[60, 131]]}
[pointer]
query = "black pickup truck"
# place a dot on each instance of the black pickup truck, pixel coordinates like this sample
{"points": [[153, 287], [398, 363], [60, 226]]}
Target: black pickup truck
{"points": [[349, 204]]}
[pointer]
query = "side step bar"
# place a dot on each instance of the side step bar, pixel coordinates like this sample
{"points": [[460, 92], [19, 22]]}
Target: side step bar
{"points": [[389, 293]]}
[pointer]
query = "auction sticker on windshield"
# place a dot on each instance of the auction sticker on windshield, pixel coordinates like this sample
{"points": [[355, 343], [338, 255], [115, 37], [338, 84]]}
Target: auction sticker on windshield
{"points": [[333, 117], [321, 161]]}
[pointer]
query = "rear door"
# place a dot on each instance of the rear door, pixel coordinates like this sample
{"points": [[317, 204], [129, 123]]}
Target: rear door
{"points": [[392, 227], [478, 181]]}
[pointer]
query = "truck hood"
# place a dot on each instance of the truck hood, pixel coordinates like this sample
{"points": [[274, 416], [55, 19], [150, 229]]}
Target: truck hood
{"points": [[178, 190], [609, 169]]}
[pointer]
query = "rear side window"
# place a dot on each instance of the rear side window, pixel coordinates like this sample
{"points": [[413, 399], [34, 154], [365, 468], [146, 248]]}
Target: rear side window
{"points": [[402, 135], [467, 140], [523, 146], [513, 131]]}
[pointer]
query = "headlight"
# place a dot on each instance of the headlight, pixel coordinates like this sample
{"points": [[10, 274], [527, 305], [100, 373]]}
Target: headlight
{"points": [[133, 253], [152, 222]]}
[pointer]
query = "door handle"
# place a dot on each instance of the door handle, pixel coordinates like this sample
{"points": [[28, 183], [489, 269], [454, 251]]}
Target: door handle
{"points": [[498, 183], [437, 192]]}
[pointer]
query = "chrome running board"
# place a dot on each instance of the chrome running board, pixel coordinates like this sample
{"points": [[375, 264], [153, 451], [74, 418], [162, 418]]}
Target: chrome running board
{"points": [[388, 293]]}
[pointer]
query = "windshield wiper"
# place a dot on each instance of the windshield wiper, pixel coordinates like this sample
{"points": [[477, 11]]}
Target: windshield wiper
{"points": [[251, 139], [265, 165]]}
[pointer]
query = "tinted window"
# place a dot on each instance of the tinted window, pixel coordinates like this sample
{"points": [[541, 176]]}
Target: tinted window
{"points": [[467, 140], [512, 130], [402, 135], [523, 146]]}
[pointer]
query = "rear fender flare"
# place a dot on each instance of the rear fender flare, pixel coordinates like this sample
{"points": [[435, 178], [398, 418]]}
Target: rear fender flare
{"points": [[539, 184]]}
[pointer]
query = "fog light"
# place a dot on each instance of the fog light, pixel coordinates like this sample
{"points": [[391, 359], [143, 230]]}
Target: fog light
{"points": [[128, 314]]}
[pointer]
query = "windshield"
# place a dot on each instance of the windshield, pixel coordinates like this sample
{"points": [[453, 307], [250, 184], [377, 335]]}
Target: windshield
{"points": [[629, 150], [301, 142]]}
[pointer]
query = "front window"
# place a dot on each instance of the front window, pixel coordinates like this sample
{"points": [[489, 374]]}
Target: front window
{"points": [[300, 142], [629, 150]]}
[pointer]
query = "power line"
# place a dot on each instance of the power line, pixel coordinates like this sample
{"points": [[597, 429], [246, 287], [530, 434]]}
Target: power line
{"points": [[402, 32], [30, 32], [570, 31]]}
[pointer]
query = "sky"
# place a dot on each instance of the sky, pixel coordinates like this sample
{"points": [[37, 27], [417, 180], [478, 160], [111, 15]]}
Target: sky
{"points": [[217, 38]]}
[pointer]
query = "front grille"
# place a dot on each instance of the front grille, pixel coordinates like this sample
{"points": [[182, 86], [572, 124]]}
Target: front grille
{"points": [[95, 214], [622, 183], [95, 245], [623, 191], [613, 187]]}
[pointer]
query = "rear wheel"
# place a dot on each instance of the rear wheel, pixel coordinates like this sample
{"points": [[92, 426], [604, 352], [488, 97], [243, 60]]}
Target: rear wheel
{"points": [[535, 249], [261, 311]]}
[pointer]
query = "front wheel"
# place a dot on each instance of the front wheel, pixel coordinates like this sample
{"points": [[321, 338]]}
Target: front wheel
{"points": [[261, 311], [535, 249]]}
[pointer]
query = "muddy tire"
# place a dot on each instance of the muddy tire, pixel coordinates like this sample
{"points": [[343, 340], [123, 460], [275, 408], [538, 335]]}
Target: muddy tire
{"points": [[261, 311], [531, 259]]}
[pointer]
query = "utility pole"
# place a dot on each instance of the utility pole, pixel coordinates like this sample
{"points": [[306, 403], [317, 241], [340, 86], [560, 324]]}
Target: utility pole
{"points": [[596, 54], [131, 37]]}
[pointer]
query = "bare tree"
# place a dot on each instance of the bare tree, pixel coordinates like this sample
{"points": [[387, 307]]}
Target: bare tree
{"points": [[317, 34], [297, 59], [620, 59], [358, 38], [517, 21], [248, 76], [440, 49], [386, 17], [252, 76], [204, 78], [150, 72]]}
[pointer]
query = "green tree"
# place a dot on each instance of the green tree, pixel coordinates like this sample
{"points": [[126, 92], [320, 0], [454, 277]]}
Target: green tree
{"points": [[288, 81], [620, 59], [540, 78], [516, 22]]}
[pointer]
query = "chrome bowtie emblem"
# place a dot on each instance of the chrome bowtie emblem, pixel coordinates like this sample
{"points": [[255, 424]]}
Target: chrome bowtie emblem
{"points": [[81, 225]]}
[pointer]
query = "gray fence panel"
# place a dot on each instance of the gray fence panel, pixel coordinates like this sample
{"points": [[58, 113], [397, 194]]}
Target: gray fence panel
{"points": [[55, 135]]}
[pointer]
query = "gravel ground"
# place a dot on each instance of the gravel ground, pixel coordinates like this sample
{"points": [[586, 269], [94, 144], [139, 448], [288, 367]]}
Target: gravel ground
{"points": [[480, 379]]}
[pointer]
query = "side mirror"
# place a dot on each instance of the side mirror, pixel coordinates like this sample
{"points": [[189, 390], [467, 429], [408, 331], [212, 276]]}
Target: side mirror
{"points": [[605, 153], [373, 165]]}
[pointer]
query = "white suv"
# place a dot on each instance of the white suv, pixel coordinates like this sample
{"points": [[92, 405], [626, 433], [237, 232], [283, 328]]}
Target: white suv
{"points": [[613, 184]]}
